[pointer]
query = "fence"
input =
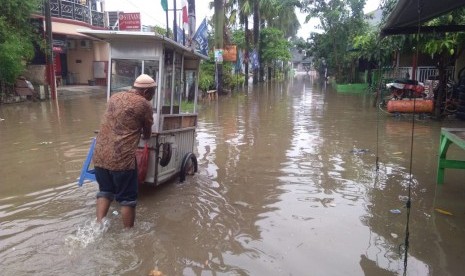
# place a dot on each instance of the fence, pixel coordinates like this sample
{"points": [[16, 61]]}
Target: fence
{"points": [[76, 11], [422, 73]]}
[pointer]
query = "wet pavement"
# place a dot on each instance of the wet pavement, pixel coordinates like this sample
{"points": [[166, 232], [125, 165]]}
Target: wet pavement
{"points": [[287, 185], [79, 90]]}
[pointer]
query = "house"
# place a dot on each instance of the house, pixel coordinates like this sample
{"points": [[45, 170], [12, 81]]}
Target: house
{"points": [[300, 62], [405, 19], [77, 58]]}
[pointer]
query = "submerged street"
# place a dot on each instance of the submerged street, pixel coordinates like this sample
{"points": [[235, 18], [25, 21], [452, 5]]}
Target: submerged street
{"points": [[287, 185]]}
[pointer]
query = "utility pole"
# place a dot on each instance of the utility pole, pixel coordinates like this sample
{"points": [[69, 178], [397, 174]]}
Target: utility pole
{"points": [[167, 25], [175, 26], [191, 13], [49, 51]]}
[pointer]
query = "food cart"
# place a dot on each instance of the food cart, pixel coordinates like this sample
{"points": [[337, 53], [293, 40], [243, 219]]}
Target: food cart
{"points": [[175, 68]]}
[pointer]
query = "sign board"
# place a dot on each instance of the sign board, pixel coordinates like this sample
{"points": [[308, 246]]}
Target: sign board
{"points": [[129, 21], [219, 56], [230, 53]]}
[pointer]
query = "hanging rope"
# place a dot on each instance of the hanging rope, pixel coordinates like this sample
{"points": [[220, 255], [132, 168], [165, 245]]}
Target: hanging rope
{"points": [[378, 90], [409, 201]]}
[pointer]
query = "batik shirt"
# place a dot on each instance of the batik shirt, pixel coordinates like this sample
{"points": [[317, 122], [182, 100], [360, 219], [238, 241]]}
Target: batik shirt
{"points": [[127, 115]]}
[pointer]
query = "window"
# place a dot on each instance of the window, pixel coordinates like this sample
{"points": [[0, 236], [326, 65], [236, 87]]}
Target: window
{"points": [[125, 71]]}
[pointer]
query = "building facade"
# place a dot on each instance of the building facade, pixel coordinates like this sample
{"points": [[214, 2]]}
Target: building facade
{"points": [[78, 59]]}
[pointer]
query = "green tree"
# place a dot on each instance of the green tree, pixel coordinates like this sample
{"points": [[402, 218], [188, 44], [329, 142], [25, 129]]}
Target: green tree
{"points": [[280, 14], [274, 48], [340, 20], [162, 30], [445, 47], [16, 39], [245, 7]]}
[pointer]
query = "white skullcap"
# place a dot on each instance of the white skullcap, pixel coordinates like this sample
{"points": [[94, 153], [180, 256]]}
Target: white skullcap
{"points": [[144, 81]]}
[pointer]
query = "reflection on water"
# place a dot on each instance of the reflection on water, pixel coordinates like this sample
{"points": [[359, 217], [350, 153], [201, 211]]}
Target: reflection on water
{"points": [[287, 184]]}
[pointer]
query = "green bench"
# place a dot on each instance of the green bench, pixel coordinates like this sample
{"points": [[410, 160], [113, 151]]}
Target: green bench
{"points": [[449, 136]]}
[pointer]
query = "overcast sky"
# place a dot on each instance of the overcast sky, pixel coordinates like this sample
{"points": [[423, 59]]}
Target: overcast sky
{"points": [[153, 14]]}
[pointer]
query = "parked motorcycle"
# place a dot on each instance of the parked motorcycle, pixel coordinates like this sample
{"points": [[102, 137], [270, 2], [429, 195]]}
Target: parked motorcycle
{"points": [[405, 88]]}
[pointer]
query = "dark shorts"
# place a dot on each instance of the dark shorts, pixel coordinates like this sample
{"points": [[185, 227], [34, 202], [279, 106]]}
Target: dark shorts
{"points": [[118, 185]]}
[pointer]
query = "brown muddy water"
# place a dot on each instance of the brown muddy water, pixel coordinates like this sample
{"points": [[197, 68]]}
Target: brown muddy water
{"points": [[287, 185]]}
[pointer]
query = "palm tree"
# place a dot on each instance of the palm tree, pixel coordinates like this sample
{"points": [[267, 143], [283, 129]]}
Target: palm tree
{"points": [[279, 14], [240, 9], [256, 36], [245, 8], [286, 19], [219, 41]]}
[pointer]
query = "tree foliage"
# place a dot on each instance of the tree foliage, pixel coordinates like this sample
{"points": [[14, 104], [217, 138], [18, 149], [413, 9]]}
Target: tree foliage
{"points": [[380, 50], [16, 38], [274, 50], [280, 14], [207, 74], [273, 46], [445, 44], [162, 30], [341, 21]]}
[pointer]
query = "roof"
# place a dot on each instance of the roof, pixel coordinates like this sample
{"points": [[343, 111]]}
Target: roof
{"points": [[296, 55], [404, 18], [109, 35]]}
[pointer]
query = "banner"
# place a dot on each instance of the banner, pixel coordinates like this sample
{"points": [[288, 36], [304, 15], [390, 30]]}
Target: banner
{"points": [[255, 62], [230, 53], [238, 65], [180, 35], [201, 38]]}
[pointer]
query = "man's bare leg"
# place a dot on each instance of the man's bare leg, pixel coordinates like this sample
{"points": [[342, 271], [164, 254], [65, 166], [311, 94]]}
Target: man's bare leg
{"points": [[129, 214], [103, 204]]}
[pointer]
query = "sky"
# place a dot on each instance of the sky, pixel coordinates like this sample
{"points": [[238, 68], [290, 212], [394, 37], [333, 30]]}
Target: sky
{"points": [[153, 14]]}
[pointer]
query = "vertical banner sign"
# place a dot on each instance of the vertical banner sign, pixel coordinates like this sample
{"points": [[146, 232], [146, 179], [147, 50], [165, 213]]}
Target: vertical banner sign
{"points": [[219, 56], [129, 21], [180, 36], [238, 65], [201, 38], [255, 62]]}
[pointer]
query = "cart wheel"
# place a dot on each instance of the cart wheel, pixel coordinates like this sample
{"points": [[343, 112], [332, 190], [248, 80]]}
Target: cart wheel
{"points": [[188, 166], [166, 151]]}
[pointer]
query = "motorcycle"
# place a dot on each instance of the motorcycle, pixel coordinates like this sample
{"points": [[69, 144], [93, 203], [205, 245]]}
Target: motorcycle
{"points": [[405, 88]]}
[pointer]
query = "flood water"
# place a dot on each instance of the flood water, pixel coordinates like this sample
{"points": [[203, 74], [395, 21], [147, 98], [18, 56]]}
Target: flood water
{"points": [[287, 185]]}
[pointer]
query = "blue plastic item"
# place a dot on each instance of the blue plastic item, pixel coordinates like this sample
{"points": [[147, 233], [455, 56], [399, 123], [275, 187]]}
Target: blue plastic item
{"points": [[87, 174]]}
